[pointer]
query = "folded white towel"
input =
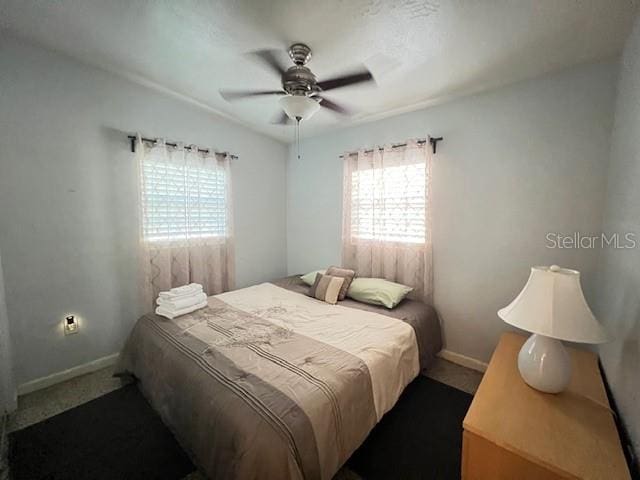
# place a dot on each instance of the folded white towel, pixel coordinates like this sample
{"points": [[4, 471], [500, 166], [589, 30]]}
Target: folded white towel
{"points": [[171, 314], [180, 292], [191, 288], [169, 297], [181, 302]]}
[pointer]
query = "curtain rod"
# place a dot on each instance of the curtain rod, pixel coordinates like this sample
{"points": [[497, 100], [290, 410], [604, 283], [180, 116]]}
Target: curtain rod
{"points": [[133, 139], [432, 140]]}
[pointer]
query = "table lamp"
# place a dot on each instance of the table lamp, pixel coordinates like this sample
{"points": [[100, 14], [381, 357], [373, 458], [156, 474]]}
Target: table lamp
{"points": [[551, 306]]}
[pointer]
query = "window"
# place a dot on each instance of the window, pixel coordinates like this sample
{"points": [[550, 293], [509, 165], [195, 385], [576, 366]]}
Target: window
{"points": [[389, 203], [386, 210], [184, 197]]}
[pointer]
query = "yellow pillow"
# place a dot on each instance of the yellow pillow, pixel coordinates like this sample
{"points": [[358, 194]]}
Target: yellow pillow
{"points": [[377, 291], [310, 277]]}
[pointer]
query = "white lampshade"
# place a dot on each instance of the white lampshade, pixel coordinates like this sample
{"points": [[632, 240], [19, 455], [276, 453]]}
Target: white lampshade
{"points": [[299, 107], [552, 304]]}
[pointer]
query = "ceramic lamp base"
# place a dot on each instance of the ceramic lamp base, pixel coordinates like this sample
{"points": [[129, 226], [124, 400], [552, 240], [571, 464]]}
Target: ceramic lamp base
{"points": [[545, 364]]}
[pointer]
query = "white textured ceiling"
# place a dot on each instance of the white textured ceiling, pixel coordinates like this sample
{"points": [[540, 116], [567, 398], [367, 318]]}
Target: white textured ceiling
{"points": [[420, 51]]}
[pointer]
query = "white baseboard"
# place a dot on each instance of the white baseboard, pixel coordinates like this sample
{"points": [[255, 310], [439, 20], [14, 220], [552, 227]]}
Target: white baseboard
{"points": [[49, 380], [463, 360], [100, 363]]}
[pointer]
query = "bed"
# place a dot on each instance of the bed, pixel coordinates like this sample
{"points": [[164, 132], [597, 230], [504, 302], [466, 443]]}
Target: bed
{"points": [[269, 383]]}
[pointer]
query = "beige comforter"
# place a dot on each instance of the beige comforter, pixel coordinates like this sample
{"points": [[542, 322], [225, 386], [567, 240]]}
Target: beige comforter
{"points": [[268, 383]]}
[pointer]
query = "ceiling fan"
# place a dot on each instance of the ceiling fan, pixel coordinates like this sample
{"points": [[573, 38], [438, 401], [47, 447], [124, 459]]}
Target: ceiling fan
{"points": [[302, 92]]}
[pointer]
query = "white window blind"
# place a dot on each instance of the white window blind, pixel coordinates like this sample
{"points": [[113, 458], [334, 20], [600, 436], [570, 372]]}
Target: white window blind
{"points": [[389, 203], [183, 199]]}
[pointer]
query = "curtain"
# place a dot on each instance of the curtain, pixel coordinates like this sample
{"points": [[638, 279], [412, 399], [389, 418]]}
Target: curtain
{"points": [[386, 227], [8, 398], [186, 228]]}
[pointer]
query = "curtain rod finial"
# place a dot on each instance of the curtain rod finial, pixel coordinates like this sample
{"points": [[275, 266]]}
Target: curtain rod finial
{"points": [[434, 143]]}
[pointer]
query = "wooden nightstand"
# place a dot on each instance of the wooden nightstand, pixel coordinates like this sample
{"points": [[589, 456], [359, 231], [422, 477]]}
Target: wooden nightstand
{"points": [[513, 432]]}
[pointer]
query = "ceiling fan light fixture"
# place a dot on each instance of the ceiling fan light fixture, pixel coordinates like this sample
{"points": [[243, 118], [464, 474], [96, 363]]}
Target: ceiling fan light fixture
{"points": [[299, 107]]}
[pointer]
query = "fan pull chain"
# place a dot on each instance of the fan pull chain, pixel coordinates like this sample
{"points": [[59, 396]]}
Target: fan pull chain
{"points": [[298, 137]]}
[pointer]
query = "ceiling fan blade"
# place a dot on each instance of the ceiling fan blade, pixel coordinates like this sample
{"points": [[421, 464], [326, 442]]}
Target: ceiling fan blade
{"points": [[331, 105], [271, 59], [351, 79], [231, 95], [281, 119]]}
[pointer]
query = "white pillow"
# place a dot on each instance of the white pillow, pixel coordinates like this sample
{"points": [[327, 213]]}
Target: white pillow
{"points": [[310, 277]]}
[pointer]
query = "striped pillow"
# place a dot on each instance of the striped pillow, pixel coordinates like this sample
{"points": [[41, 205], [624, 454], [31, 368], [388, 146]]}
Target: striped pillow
{"points": [[345, 273], [326, 288]]}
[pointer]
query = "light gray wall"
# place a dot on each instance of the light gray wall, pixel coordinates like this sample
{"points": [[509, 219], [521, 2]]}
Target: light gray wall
{"points": [[515, 164], [8, 400], [68, 201], [618, 302]]}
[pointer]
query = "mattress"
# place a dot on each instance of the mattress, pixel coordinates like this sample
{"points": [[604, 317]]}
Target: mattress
{"points": [[268, 383]]}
